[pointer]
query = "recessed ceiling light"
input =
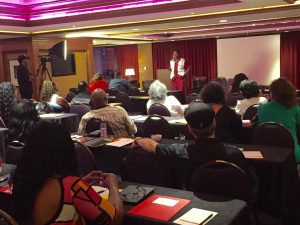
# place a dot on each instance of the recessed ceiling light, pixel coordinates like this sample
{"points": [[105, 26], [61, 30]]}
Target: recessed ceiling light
{"points": [[277, 29], [172, 40], [286, 31], [135, 29], [192, 13], [253, 24], [131, 42], [74, 26], [223, 21]]}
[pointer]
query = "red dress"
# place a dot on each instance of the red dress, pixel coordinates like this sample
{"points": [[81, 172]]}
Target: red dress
{"points": [[81, 204], [98, 84]]}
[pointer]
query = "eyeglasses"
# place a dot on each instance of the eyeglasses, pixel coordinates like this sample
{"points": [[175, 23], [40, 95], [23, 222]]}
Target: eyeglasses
{"points": [[141, 192]]}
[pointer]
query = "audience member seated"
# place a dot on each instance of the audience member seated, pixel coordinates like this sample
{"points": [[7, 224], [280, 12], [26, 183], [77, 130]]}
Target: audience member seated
{"points": [[250, 91], [115, 116], [158, 94], [7, 99], [83, 97], [22, 120], [183, 159], [282, 109], [119, 83], [49, 95], [47, 189], [228, 122], [97, 82], [236, 83]]}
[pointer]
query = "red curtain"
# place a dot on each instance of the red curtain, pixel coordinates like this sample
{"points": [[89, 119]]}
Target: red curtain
{"points": [[201, 55], [127, 56], [290, 57]]}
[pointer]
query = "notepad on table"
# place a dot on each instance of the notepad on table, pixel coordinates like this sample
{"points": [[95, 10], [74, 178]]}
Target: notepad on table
{"points": [[51, 115], [181, 121], [120, 142], [253, 155], [102, 191], [195, 216]]}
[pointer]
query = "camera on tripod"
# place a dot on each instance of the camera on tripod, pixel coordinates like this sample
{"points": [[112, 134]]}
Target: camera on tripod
{"points": [[44, 59]]}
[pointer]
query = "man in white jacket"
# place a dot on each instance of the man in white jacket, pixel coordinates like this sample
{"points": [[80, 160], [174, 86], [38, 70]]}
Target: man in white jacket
{"points": [[179, 68]]}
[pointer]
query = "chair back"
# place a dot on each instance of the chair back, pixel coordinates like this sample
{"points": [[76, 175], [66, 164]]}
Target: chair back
{"points": [[6, 219], [125, 100], [79, 109], [14, 152], [146, 84], [94, 124], [221, 178], [273, 134], [250, 113], [134, 91], [158, 109], [232, 99], [85, 159], [157, 125], [143, 167], [113, 91], [191, 97], [2, 124]]}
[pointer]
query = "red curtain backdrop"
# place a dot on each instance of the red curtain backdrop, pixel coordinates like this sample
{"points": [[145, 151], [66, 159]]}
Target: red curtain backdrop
{"points": [[127, 56], [290, 57], [201, 55]]}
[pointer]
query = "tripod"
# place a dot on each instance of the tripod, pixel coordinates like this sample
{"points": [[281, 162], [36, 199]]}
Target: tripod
{"points": [[43, 71]]}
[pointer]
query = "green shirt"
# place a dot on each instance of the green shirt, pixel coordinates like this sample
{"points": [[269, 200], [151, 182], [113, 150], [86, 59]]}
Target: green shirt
{"points": [[288, 117]]}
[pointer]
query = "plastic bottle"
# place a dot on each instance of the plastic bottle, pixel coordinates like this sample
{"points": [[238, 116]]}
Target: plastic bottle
{"points": [[103, 130]]}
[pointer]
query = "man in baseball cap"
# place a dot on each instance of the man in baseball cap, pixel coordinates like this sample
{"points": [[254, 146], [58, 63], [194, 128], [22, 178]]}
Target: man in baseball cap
{"points": [[183, 159], [24, 78]]}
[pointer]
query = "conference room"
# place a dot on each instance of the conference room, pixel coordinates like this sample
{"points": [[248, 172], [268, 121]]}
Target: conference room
{"points": [[149, 112]]}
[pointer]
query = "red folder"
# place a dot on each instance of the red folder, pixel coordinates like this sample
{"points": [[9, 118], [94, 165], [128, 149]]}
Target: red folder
{"points": [[161, 212]]}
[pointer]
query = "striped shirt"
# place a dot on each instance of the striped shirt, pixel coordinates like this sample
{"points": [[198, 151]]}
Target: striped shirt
{"points": [[115, 117]]}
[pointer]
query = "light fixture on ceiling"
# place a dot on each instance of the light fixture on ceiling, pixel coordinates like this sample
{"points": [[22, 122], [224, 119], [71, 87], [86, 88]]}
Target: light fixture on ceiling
{"points": [[192, 13], [223, 21], [135, 29], [73, 26]]}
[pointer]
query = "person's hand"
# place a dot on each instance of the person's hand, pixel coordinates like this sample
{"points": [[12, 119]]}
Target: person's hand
{"points": [[94, 177], [147, 144], [110, 180]]}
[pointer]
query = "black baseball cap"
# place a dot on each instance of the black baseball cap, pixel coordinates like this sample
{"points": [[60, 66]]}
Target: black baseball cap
{"points": [[199, 115], [22, 57]]}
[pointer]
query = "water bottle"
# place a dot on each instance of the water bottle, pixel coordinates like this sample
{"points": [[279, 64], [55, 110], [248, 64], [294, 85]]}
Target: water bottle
{"points": [[103, 129]]}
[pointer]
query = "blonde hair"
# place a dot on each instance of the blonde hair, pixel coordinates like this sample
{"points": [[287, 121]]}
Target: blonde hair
{"points": [[97, 76], [48, 89]]}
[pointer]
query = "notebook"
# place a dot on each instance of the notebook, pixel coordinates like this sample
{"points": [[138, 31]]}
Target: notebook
{"points": [[253, 155], [120, 142], [134, 194], [97, 142], [159, 207], [195, 216]]}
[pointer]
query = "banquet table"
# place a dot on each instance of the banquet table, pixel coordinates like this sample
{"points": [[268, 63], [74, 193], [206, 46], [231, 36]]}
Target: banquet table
{"points": [[276, 171]]}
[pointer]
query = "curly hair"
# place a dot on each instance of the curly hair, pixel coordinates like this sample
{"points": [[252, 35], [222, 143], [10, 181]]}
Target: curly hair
{"points": [[237, 81], [48, 89], [7, 98], [22, 119], [157, 91], [283, 91], [48, 152]]}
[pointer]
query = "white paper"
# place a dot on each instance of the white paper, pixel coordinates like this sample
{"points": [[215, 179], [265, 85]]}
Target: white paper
{"points": [[135, 117], [165, 202], [253, 155], [121, 142], [51, 115], [195, 216], [182, 121]]}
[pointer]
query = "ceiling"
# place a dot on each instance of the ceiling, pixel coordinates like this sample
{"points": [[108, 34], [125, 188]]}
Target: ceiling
{"points": [[115, 22]]}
